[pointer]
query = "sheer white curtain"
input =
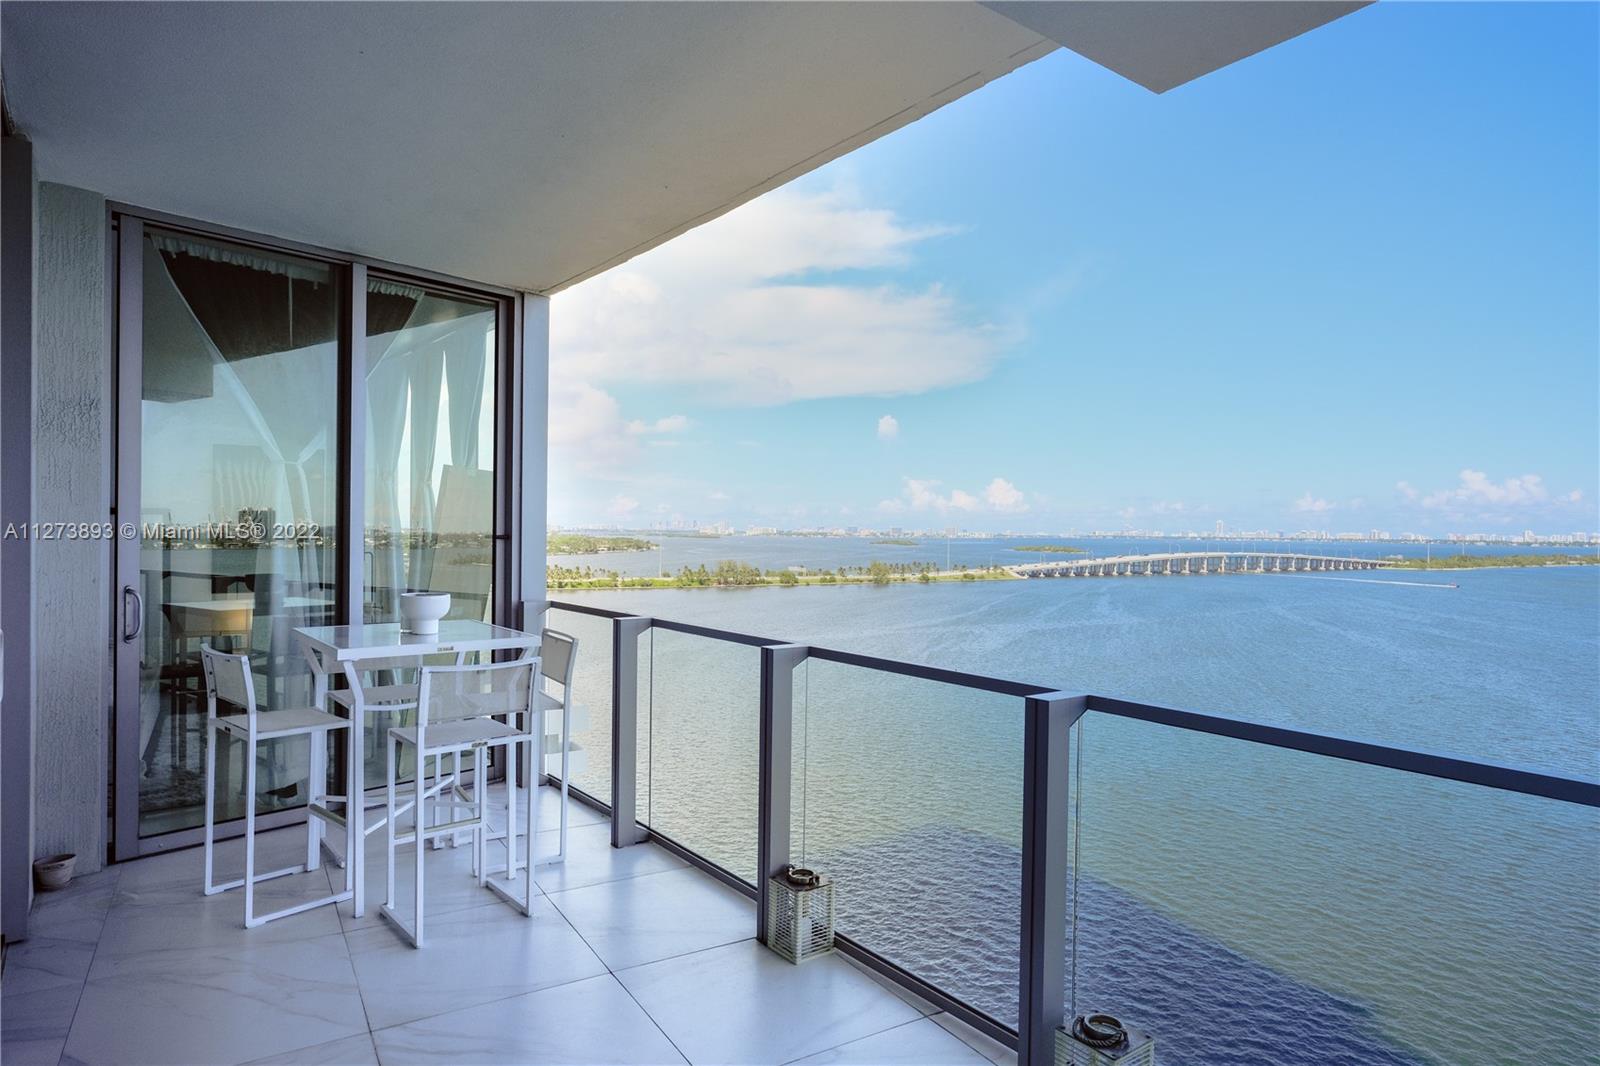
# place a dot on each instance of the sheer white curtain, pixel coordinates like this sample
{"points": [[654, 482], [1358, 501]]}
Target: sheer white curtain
{"points": [[430, 370]]}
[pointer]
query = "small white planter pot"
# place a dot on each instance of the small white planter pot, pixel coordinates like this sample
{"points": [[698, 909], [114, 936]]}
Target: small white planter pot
{"points": [[420, 611], [54, 872]]}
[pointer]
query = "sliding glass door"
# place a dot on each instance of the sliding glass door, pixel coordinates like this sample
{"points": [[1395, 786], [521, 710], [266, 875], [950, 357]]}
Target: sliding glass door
{"points": [[238, 461], [235, 416]]}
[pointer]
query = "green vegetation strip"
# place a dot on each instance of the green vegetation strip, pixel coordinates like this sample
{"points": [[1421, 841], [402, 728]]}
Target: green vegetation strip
{"points": [[1052, 549], [584, 544], [731, 573], [1478, 562]]}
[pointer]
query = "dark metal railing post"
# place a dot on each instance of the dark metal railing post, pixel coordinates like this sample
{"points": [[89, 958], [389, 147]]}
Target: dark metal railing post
{"points": [[625, 633], [775, 769], [1042, 996]]}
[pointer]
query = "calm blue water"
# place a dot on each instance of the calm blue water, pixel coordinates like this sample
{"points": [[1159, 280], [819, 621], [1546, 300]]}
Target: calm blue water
{"points": [[1237, 901]]}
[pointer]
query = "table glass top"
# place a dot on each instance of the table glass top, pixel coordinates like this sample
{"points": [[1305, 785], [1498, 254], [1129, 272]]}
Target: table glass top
{"points": [[455, 634]]}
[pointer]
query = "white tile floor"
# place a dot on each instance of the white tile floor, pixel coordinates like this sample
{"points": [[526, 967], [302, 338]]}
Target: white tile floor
{"points": [[631, 956]]}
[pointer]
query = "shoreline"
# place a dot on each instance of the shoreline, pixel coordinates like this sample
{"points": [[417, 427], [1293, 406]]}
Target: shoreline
{"points": [[932, 577], [617, 582]]}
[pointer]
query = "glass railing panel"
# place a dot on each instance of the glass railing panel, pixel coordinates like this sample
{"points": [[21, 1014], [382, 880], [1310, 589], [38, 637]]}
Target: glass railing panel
{"points": [[699, 735], [1249, 903], [591, 694], [908, 792]]}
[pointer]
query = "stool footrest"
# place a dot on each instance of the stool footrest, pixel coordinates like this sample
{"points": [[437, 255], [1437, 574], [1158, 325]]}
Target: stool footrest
{"points": [[239, 883], [263, 919]]}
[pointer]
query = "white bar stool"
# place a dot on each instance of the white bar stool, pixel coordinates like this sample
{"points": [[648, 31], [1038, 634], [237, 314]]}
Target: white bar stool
{"points": [[558, 657], [376, 694], [462, 709], [228, 679]]}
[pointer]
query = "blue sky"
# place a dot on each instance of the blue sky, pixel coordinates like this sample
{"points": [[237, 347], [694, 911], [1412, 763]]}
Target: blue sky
{"points": [[1349, 283]]}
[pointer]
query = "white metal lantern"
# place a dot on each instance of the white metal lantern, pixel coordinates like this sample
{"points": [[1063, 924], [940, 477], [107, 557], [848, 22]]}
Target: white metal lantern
{"points": [[800, 914], [1098, 1039]]}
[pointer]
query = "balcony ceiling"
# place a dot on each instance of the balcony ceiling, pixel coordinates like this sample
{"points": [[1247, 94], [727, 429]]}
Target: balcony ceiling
{"points": [[529, 145]]}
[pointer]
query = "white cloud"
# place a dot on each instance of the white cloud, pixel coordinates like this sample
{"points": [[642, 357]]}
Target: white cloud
{"points": [[1002, 495], [586, 428], [918, 494], [737, 306], [669, 424], [1475, 496], [622, 506], [888, 427], [1475, 489], [1309, 504], [718, 495]]}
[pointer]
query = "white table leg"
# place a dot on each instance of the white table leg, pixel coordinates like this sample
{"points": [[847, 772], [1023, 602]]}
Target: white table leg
{"points": [[355, 808], [317, 788], [316, 792]]}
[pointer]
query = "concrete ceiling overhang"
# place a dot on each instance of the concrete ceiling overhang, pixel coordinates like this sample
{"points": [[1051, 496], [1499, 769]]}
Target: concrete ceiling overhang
{"points": [[1162, 44], [528, 145]]}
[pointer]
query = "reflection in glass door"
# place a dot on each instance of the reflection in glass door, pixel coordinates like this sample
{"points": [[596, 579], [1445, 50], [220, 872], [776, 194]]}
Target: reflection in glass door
{"points": [[430, 472], [238, 482]]}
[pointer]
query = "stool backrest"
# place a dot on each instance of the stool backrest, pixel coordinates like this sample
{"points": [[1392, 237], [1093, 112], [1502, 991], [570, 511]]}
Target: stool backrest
{"points": [[453, 693], [394, 662], [557, 652], [228, 678]]}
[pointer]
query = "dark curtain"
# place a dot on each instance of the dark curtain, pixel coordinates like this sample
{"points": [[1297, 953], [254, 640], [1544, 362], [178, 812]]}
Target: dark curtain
{"points": [[248, 312]]}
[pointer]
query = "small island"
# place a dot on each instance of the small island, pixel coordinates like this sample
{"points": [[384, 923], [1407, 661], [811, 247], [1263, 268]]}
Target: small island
{"points": [[585, 544], [733, 573], [899, 542], [1050, 549], [1479, 562]]}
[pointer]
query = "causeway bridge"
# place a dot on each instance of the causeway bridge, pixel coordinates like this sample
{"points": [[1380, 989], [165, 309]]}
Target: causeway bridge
{"points": [[1203, 562]]}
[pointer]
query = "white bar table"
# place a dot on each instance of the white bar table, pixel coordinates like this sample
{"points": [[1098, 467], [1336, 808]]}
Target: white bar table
{"points": [[348, 645]]}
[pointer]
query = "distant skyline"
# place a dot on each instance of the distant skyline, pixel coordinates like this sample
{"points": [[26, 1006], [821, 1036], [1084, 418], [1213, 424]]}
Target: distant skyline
{"points": [[1347, 284]]}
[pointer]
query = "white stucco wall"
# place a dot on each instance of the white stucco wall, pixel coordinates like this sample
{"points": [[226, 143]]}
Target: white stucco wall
{"points": [[72, 428]]}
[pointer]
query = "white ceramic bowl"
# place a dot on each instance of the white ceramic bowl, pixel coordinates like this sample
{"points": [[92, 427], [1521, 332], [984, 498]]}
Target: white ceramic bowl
{"points": [[420, 611]]}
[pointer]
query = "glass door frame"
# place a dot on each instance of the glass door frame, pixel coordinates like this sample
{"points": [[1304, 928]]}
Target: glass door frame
{"points": [[125, 229]]}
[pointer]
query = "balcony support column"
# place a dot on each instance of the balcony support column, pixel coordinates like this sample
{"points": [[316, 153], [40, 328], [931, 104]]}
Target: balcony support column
{"points": [[625, 827], [776, 769], [1046, 820]]}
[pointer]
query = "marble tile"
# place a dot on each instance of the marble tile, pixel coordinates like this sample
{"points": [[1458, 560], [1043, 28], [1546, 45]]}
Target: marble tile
{"points": [[985, 1045], [450, 885], [645, 919], [77, 911], [40, 963], [275, 849], [910, 997], [217, 1006], [178, 915], [549, 809], [470, 957], [822, 1004], [35, 1024], [591, 860], [921, 1043], [351, 1051], [590, 1021], [32, 1052]]}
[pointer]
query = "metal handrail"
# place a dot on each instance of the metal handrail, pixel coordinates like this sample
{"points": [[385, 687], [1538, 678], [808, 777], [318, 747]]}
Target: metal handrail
{"points": [[1427, 764]]}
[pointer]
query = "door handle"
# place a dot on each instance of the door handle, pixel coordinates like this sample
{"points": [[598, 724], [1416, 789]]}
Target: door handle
{"points": [[128, 637]]}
